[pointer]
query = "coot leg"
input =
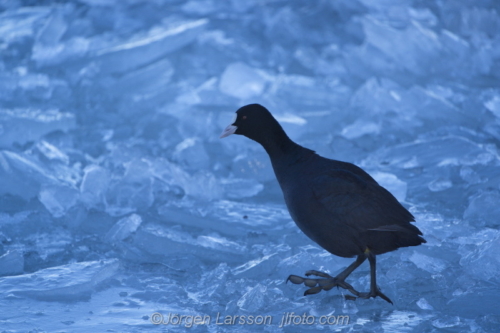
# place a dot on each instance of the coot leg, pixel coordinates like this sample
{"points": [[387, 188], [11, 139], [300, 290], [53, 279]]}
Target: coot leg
{"points": [[374, 290]]}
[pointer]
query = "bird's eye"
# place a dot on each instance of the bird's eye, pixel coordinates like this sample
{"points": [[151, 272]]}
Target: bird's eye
{"points": [[244, 117]]}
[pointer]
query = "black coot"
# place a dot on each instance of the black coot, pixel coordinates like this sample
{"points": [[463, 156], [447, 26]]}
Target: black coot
{"points": [[336, 204]]}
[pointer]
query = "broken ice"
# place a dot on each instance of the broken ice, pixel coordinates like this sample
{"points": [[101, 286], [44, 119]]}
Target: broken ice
{"points": [[118, 200], [63, 283]]}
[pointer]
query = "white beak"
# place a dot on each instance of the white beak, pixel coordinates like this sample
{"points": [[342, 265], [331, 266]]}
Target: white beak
{"points": [[230, 129]]}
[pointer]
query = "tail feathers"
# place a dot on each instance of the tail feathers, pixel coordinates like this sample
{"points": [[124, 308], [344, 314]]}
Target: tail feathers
{"points": [[391, 237], [407, 228]]}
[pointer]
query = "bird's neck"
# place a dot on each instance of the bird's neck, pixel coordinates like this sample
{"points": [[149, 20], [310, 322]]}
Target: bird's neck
{"points": [[281, 149]]}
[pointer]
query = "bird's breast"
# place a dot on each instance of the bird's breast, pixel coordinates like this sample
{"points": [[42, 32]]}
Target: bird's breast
{"points": [[316, 222], [304, 209]]}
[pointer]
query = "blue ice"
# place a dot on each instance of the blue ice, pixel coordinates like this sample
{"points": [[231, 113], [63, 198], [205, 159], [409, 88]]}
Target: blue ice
{"points": [[119, 201]]}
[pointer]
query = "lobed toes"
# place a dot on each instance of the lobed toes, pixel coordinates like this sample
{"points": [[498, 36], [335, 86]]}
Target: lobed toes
{"points": [[295, 279], [318, 273], [326, 283], [329, 286], [299, 280], [310, 282], [354, 291], [345, 285], [307, 282], [312, 291]]}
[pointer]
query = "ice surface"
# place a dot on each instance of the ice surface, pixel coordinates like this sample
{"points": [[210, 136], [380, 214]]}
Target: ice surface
{"points": [[493, 105], [307, 92], [133, 191], [94, 185], [53, 28], [395, 185], [141, 83], [124, 228], [19, 86], [228, 217], [482, 210], [241, 81], [377, 95], [58, 199], [241, 188], [62, 283], [416, 55], [191, 154], [119, 200], [483, 262], [360, 128], [21, 176], [440, 184], [159, 243], [254, 165], [427, 263], [143, 48], [424, 305], [24, 125], [254, 299], [19, 23], [11, 263]]}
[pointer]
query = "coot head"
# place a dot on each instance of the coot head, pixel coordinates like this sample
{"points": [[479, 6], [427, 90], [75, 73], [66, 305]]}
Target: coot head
{"points": [[255, 122]]}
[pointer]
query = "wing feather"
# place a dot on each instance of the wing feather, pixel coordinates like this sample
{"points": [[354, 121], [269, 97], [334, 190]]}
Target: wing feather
{"points": [[360, 203]]}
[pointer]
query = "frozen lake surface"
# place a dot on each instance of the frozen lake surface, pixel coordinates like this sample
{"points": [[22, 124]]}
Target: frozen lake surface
{"points": [[120, 207]]}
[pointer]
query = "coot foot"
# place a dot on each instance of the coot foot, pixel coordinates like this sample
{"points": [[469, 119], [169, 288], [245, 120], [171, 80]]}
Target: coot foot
{"points": [[326, 283]]}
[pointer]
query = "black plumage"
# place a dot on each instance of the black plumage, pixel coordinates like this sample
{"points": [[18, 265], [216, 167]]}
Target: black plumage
{"points": [[336, 204]]}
